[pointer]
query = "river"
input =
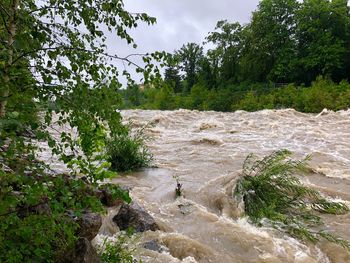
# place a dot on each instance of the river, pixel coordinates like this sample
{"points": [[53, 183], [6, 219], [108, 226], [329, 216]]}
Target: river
{"points": [[205, 150]]}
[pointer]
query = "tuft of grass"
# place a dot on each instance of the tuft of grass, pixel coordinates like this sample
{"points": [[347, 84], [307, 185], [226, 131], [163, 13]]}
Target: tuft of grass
{"points": [[117, 250], [273, 194], [128, 152]]}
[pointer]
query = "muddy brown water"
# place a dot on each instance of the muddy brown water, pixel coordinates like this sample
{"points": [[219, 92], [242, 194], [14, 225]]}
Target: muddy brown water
{"points": [[205, 150]]}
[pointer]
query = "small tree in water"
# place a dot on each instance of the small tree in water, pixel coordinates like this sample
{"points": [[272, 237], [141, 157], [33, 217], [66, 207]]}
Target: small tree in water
{"points": [[270, 190], [178, 188]]}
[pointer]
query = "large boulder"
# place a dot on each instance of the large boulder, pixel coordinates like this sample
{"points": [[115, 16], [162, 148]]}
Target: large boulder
{"points": [[89, 225], [83, 252], [135, 217]]}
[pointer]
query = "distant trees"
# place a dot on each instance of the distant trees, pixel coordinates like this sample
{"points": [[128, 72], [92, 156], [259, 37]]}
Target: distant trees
{"points": [[269, 46], [285, 42], [189, 57], [323, 39], [173, 78], [227, 38]]}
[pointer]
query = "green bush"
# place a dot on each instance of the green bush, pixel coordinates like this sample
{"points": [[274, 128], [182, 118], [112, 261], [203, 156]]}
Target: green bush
{"points": [[270, 190], [164, 99], [323, 93], [127, 152], [116, 251]]}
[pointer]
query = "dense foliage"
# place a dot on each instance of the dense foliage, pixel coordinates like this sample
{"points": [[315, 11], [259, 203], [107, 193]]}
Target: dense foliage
{"points": [[117, 250], [128, 152], [323, 93], [274, 195], [55, 72], [267, 63]]}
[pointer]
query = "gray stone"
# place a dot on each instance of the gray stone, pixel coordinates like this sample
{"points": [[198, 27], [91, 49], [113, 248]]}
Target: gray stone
{"points": [[186, 208], [83, 252], [152, 245], [135, 217], [108, 199], [89, 225]]}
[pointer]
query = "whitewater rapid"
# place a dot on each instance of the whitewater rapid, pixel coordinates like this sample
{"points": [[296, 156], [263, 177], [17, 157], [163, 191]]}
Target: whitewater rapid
{"points": [[205, 150]]}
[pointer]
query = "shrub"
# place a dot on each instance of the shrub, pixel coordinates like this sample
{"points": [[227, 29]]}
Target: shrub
{"points": [[270, 190], [128, 151], [116, 251], [319, 96]]}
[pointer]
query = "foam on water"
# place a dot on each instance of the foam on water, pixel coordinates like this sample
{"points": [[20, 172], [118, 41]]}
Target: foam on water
{"points": [[206, 151]]}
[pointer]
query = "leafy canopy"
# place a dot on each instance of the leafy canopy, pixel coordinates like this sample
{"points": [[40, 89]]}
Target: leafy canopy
{"points": [[56, 71]]}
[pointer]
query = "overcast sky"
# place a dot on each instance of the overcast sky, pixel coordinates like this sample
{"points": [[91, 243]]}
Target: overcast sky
{"points": [[183, 21], [180, 22]]}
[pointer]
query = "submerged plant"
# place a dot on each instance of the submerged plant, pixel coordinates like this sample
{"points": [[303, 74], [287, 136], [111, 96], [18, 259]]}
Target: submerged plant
{"points": [[128, 151], [270, 189], [178, 188]]}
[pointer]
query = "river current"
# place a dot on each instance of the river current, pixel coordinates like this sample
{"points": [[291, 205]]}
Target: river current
{"points": [[205, 151]]}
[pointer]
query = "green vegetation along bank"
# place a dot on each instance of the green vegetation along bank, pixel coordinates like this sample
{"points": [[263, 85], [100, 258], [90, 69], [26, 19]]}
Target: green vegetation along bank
{"points": [[323, 93], [273, 61]]}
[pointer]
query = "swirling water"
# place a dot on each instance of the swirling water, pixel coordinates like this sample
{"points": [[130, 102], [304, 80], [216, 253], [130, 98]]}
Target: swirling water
{"points": [[205, 150]]}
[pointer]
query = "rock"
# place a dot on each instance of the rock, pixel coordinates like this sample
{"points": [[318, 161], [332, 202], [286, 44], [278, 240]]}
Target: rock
{"points": [[83, 252], [105, 196], [153, 245], [108, 199], [186, 208], [133, 216], [89, 225]]}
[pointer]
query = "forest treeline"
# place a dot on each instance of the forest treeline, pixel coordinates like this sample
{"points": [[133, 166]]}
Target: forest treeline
{"points": [[290, 54]]}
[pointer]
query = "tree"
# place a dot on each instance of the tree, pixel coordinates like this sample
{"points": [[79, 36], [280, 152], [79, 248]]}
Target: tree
{"points": [[53, 58], [274, 196], [208, 75], [189, 57], [227, 38], [59, 48], [323, 37], [269, 42], [173, 78]]}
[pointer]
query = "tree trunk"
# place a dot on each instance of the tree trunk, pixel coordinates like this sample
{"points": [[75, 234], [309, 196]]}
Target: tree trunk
{"points": [[10, 40]]}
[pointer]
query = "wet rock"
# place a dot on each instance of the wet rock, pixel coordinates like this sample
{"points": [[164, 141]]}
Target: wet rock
{"points": [[186, 208], [153, 245], [109, 200], [89, 225], [106, 197], [133, 216], [83, 252]]}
